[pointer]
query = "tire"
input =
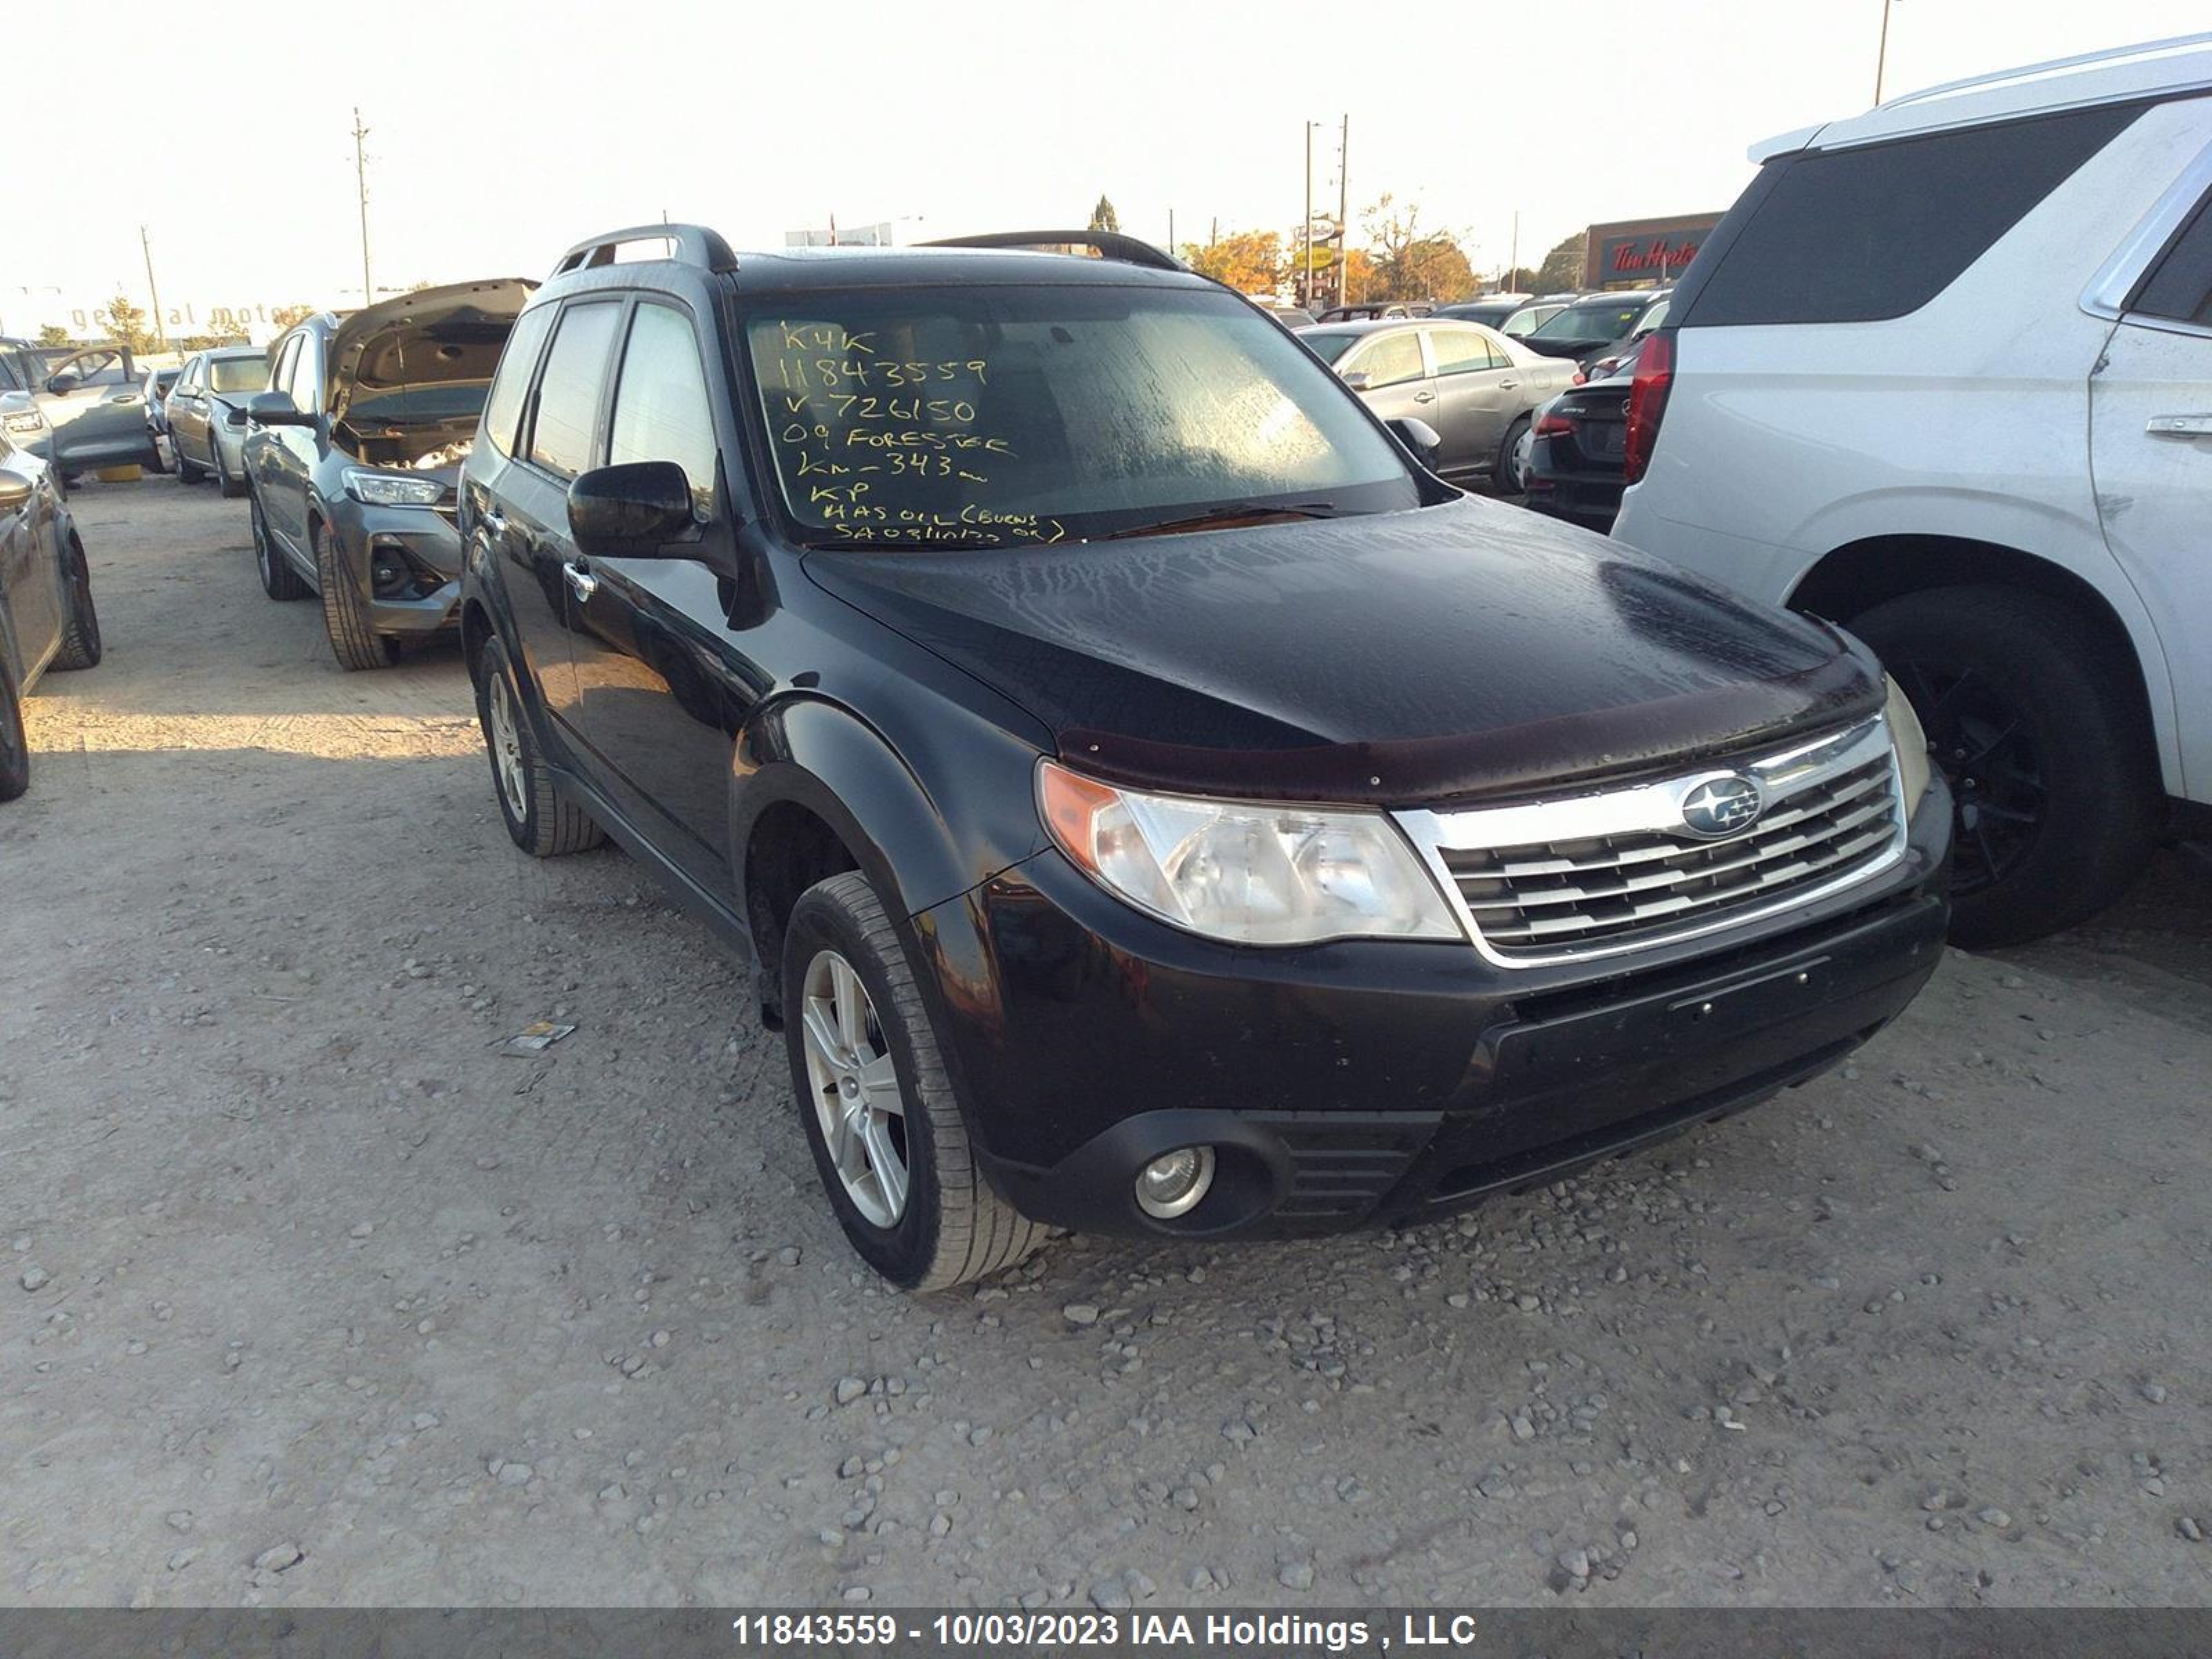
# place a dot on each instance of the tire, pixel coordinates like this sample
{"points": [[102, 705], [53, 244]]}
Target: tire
{"points": [[355, 644], [540, 820], [2037, 725], [279, 581], [231, 488], [1506, 476], [189, 472], [165, 454], [15, 745], [79, 646], [948, 1226]]}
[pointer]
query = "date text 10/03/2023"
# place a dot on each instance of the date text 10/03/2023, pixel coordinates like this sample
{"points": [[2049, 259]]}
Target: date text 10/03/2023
{"points": [[880, 447], [1229, 1633]]}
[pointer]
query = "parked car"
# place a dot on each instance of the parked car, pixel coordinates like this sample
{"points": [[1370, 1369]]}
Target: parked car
{"points": [[1375, 310], [207, 414], [47, 616], [352, 454], [1595, 324], [1292, 317], [1476, 389], [1620, 352], [1575, 467], [1145, 788], [1535, 314], [1945, 373], [155, 387], [1491, 311], [91, 401], [22, 422]]}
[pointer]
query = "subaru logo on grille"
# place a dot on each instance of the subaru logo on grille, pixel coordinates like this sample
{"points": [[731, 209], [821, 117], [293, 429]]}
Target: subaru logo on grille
{"points": [[1721, 806]]}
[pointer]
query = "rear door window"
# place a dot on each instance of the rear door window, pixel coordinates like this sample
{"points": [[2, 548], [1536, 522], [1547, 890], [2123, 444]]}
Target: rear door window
{"points": [[1462, 351], [1861, 235], [502, 415], [2179, 287], [562, 436]]}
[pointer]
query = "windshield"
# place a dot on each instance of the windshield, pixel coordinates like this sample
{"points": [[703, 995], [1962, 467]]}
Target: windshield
{"points": [[1595, 324], [1000, 417], [238, 373]]}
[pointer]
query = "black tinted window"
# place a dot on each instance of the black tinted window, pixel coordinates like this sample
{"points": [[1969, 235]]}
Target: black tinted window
{"points": [[2181, 285], [502, 414], [568, 391], [1855, 235]]}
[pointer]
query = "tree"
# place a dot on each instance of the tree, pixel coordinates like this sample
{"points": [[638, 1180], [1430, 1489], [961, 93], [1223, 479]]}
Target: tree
{"points": [[1249, 261], [1411, 264], [1519, 280], [1102, 217], [1562, 267], [290, 316], [53, 334], [126, 323]]}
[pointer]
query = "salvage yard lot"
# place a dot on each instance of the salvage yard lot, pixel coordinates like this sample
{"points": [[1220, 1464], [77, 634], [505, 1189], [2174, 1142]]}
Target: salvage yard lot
{"points": [[313, 1295]]}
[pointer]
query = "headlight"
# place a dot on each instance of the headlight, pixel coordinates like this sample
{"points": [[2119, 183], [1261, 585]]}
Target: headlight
{"points": [[386, 489], [1248, 873], [1911, 741]]}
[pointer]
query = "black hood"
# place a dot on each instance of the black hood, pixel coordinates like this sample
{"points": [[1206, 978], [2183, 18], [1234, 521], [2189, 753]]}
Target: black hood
{"points": [[1439, 653]]}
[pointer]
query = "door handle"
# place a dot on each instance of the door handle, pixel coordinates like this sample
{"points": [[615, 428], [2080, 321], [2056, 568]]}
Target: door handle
{"points": [[581, 582], [494, 520], [2179, 426], [1507, 385], [1425, 397]]}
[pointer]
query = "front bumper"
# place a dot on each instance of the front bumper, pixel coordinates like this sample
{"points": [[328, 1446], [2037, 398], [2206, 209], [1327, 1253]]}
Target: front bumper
{"points": [[422, 544], [1374, 1082]]}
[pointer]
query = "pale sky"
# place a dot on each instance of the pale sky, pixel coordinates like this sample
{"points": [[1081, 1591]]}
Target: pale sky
{"points": [[501, 132]]}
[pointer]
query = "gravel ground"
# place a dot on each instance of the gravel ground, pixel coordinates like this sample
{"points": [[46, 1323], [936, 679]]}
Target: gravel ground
{"points": [[309, 1294]]}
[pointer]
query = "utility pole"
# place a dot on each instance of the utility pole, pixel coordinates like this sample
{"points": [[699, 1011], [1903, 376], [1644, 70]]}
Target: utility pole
{"points": [[1343, 213], [1513, 258], [360, 185], [1881, 52], [160, 328], [1306, 293]]}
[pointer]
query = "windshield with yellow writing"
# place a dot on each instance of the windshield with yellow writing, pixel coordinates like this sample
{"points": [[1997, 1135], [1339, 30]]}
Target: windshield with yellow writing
{"points": [[994, 416]]}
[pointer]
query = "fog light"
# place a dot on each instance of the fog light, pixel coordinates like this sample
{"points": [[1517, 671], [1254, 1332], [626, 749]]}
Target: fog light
{"points": [[1172, 1183]]}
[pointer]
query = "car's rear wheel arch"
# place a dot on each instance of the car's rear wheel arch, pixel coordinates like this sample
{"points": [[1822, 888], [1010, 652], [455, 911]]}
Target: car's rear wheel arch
{"points": [[1856, 577]]}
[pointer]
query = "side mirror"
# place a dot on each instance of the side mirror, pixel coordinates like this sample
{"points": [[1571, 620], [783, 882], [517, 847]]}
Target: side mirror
{"points": [[65, 383], [234, 415], [15, 490], [632, 511], [1419, 437], [1359, 380], [276, 409]]}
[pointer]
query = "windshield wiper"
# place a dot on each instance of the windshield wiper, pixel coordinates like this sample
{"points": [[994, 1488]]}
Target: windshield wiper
{"points": [[1226, 512]]}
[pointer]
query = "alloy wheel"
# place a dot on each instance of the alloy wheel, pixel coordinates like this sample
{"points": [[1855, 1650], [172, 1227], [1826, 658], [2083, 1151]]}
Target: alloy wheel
{"points": [[507, 746], [1985, 749], [855, 1089]]}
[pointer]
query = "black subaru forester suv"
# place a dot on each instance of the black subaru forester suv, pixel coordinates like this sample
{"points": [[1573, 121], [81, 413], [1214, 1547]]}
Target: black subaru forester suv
{"points": [[1155, 802]]}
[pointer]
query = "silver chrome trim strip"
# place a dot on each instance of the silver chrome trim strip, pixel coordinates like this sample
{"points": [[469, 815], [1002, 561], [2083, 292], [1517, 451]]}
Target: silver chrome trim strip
{"points": [[1653, 808]]}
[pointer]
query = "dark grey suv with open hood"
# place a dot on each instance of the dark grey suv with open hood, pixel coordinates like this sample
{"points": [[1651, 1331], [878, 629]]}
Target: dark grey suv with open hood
{"points": [[352, 455]]}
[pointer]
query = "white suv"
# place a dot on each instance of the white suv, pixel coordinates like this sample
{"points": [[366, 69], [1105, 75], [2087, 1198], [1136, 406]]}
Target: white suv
{"points": [[1944, 375]]}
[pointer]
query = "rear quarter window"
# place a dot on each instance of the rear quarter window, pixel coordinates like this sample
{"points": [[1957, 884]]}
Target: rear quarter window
{"points": [[1861, 235]]}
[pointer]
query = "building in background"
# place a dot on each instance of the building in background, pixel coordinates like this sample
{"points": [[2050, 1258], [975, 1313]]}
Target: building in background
{"points": [[1644, 253]]}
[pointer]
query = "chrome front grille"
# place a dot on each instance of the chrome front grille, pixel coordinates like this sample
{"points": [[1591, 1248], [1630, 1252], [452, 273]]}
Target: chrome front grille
{"points": [[1620, 870]]}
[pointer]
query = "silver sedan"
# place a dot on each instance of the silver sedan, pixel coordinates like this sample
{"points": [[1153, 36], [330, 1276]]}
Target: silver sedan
{"points": [[207, 414], [1479, 389]]}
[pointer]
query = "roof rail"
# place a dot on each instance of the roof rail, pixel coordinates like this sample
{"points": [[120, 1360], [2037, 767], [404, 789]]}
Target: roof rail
{"points": [[1108, 244], [2052, 66], [694, 244]]}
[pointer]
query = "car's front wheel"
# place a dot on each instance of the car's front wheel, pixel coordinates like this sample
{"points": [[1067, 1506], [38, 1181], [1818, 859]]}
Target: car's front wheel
{"points": [[354, 643], [540, 820], [15, 745], [877, 1103], [2034, 724], [279, 581]]}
